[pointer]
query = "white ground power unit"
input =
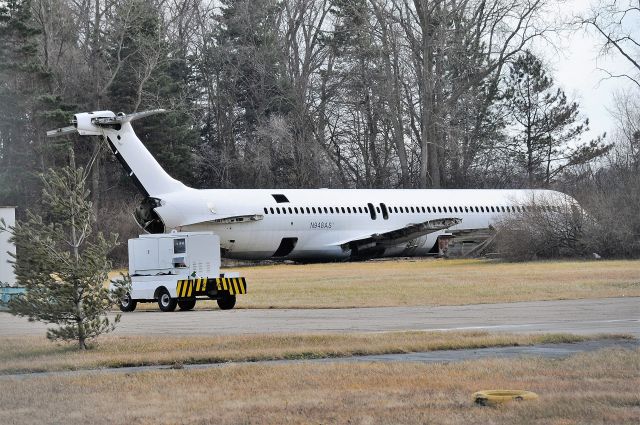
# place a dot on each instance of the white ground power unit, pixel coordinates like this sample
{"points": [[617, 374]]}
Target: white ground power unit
{"points": [[8, 288], [8, 215], [177, 269]]}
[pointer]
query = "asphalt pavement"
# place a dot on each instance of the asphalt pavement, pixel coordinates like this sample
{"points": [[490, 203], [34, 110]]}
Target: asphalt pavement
{"points": [[588, 316]]}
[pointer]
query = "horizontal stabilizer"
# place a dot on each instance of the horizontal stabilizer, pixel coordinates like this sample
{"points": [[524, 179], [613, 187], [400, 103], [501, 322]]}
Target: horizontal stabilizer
{"points": [[122, 118], [62, 131], [147, 174], [90, 123]]}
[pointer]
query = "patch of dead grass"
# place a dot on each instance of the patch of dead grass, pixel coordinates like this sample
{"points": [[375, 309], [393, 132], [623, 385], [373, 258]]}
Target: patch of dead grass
{"points": [[18, 354], [410, 282], [598, 387]]}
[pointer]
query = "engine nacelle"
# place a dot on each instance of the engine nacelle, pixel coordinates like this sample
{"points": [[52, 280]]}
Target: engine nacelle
{"points": [[147, 217], [84, 122]]}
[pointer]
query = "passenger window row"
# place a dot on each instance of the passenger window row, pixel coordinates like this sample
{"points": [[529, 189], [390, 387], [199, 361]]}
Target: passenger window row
{"points": [[314, 210], [410, 210]]}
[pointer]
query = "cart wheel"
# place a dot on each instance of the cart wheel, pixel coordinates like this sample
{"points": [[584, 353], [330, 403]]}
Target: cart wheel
{"points": [[227, 302], [127, 304], [165, 302], [186, 305]]}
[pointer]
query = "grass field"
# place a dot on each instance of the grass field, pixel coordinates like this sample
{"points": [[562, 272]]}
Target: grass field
{"points": [[592, 388], [409, 282], [20, 354], [599, 387]]}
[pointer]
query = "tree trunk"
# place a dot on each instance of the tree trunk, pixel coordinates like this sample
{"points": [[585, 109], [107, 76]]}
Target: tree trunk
{"points": [[429, 165], [392, 71], [82, 339], [438, 137], [95, 182]]}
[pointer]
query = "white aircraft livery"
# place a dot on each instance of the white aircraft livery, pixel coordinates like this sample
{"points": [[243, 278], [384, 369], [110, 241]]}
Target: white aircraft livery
{"points": [[306, 224]]}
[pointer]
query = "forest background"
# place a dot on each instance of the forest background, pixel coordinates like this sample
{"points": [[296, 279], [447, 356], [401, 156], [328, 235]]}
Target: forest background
{"points": [[318, 93]]}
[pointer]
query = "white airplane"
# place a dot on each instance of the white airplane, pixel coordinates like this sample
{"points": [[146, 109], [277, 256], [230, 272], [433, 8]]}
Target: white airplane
{"points": [[306, 224]]}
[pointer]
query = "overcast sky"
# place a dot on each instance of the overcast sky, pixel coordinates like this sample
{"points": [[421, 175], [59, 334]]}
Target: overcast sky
{"points": [[575, 66]]}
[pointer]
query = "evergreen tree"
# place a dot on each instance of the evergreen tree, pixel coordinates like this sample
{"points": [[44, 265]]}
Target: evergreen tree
{"points": [[61, 264], [19, 77], [359, 74], [545, 122], [253, 93], [249, 35], [154, 74], [27, 106]]}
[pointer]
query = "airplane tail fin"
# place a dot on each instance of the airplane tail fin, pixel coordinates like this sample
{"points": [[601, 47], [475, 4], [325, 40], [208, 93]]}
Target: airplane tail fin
{"points": [[138, 162]]}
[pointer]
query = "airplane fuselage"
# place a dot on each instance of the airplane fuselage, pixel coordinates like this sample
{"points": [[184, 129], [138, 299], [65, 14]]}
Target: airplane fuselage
{"points": [[303, 224], [318, 222]]}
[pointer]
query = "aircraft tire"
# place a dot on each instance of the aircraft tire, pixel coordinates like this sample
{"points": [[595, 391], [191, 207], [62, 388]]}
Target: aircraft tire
{"points": [[165, 302], [186, 305], [227, 302]]}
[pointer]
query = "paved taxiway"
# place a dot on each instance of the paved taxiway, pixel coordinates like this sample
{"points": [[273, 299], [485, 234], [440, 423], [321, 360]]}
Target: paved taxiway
{"points": [[608, 315]]}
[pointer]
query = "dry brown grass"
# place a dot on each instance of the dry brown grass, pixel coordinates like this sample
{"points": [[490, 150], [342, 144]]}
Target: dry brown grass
{"points": [[37, 354], [410, 282], [597, 388]]}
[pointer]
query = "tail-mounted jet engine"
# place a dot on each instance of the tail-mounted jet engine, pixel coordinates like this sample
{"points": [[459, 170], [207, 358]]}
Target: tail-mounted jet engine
{"points": [[148, 218]]}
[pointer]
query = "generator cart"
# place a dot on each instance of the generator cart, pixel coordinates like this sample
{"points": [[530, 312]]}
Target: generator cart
{"points": [[177, 269]]}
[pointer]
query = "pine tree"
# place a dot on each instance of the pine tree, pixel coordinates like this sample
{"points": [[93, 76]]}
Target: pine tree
{"points": [[19, 77], [545, 121], [253, 92], [27, 105], [61, 264], [155, 75], [360, 75]]}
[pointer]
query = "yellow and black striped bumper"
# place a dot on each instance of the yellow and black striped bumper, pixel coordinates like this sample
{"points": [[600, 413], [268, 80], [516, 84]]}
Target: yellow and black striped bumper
{"points": [[234, 285], [193, 287]]}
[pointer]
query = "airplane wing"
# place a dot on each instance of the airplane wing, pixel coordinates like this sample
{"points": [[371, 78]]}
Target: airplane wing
{"points": [[224, 219], [479, 239], [401, 235], [473, 235]]}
